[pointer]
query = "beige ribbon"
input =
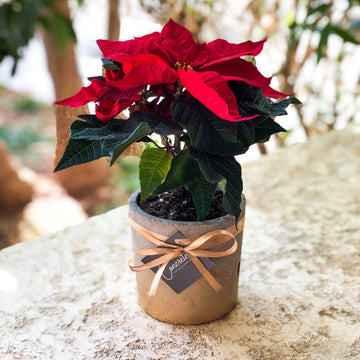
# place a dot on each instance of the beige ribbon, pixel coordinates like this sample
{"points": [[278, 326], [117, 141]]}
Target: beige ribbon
{"points": [[190, 246]]}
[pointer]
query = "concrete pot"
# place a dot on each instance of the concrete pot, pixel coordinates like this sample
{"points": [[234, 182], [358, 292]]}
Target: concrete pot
{"points": [[199, 302]]}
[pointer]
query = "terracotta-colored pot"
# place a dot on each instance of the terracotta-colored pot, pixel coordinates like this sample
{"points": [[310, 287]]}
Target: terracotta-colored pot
{"points": [[199, 302]]}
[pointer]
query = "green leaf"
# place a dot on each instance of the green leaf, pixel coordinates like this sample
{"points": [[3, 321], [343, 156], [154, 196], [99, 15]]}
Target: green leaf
{"points": [[215, 168], [92, 119], [90, 122], [322, 46], [203, 193], [153, 167], [251, 101], [80, 152], [91, 133], [136, 127], [321, 9], [116, 143], [231, 170], [109, 64], [204, 164], [184, 170], [290, 17], [158, 123], [18, 21], [207, 132], [64, 30], [267, 128], [345, 35], [295, 101], [117, 134]]}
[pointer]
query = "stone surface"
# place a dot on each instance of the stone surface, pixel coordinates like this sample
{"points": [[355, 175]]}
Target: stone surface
{"points": [[70, 295]]}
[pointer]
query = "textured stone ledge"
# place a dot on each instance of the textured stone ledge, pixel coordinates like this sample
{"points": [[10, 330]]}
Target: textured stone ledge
{"points": [[70, 295]]}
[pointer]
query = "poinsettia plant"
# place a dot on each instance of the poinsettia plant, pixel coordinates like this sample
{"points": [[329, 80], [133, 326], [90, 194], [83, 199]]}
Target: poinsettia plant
{"points": [[204, 102]]}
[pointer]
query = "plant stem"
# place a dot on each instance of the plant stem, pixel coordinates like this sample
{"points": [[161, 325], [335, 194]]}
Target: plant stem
{"points": [[158, 146], [177, 144]]}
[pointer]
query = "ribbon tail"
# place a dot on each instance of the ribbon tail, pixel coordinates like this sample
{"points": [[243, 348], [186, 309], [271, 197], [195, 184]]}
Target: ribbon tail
{"points": [[204, 272], [156, 281]]}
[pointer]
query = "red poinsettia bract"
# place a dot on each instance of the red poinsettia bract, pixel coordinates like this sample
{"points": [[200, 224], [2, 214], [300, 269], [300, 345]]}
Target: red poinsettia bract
{"points": [[172, 59]]}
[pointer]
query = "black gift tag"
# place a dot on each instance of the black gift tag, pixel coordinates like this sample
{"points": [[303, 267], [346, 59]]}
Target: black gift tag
{"points": [[180, 272]]}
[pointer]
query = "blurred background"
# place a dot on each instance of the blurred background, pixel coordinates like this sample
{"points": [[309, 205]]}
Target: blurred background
{"points": [[48, 49]]}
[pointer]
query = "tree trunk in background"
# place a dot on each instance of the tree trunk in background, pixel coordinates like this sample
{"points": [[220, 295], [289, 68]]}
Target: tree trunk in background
{"points": [[15, 194], [114, 20], [82, 179], [114, 35]]}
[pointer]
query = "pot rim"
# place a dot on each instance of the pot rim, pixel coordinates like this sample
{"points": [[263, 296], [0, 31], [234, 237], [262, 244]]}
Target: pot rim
{"points": [[134, 205]]}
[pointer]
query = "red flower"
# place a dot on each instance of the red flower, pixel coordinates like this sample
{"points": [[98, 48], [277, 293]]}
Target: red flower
{"points": [[145, 69], [87, 94], [167, 58]]}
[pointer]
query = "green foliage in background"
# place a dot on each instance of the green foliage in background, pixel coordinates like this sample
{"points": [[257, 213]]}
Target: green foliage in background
{"points": [[20, 139], [26, 104], [19, 20], [123, 182], [320, 18]]}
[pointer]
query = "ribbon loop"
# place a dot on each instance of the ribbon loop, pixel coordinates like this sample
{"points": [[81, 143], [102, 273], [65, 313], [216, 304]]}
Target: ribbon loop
{"points": [[193, 247]]}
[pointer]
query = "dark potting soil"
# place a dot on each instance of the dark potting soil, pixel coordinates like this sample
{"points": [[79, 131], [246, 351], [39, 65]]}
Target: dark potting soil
{"points": [[178, 205]]}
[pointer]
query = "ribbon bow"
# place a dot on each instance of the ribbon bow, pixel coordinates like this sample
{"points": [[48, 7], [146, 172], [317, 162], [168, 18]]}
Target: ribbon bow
{"points": [[190, 246]]}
